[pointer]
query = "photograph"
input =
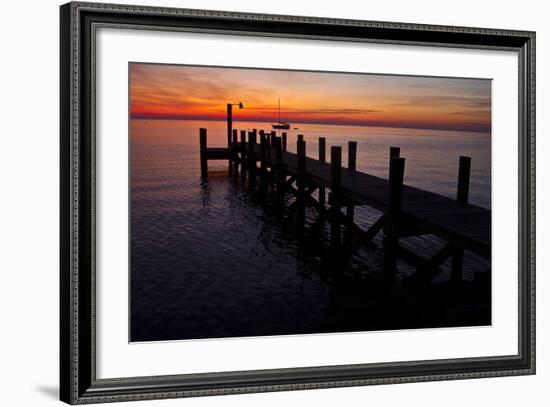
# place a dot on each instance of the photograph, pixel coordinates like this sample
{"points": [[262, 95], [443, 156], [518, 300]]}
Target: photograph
{"points": [[266, 202]]}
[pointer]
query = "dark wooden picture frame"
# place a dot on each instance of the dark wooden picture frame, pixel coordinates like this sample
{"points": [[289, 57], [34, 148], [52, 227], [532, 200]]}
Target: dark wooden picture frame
{"points": [[78, 381]]}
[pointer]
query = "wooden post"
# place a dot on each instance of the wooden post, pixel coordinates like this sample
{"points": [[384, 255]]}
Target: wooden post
{"points": [[301, 153], [463, 189], [334, 198], [229, 123], [251, 159], [352, 155], [395, 152], [262, 136], [300, 137], [263, 163], [263, 153], [233, 151], [243, 140], [203, 147], [323, 159], [243, 155], [284, 141], [271, 141], [352, 165], [391, 234], [279, 174]]}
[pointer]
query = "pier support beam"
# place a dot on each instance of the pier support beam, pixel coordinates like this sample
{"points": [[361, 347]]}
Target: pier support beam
{"points": [[323, 159], [462, 193], [334, 198], [283, 141], [279, 172], [300, 180], [242, 158], [395, 152], [271, 141], [203, 147], [229, 123], [264, 147], [233, 162], [251, 159], [352, 165], [391, 220]]}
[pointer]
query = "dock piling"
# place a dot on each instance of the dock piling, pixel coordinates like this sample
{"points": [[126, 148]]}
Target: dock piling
{"points": [[463, 189], [322, 158], [243, 155], [263, 162], [284, 141], [334, 198], [203, 147], [233, 162], [279, 173], [300, 180], [352, 165], [271, 141], [352, 155], [229, 123], [251, 159], [395, 152], [243, 140], [391, 233]]}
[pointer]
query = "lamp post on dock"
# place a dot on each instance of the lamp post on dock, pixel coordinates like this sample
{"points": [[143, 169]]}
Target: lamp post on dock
{"points": [[230, 120]]}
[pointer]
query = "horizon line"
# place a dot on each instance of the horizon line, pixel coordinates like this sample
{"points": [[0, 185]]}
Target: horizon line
{"points": [[473, 129]]}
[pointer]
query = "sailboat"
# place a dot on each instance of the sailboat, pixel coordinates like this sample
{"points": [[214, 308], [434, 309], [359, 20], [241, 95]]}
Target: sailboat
{"points": [[280, 125]]}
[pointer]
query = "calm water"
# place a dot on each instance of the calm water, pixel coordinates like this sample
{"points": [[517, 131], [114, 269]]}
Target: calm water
{"points": [[208, 260]]}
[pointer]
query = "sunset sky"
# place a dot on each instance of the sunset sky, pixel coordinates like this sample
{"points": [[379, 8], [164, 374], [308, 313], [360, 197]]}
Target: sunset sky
{"points": [[201, 93]]}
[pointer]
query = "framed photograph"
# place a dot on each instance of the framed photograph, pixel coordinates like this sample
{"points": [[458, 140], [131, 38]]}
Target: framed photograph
{"points": [[255, 203]]}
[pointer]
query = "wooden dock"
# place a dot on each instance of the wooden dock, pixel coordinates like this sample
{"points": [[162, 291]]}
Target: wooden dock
{"points": [[406, 211]]}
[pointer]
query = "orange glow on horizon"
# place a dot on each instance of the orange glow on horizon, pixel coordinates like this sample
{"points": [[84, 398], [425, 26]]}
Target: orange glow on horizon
{"points": [[201, 93]]}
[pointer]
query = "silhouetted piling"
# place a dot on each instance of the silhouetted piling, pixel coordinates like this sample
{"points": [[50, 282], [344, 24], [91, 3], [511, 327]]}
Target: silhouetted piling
{"points": [[203, 147], [229, 123], [271, 141], [284, 141], [322, 158], [352, 165], [251, 159], [243, 140], [391, 224], [463, 188], [234, 148], [279, 171], [243, 155], [335, 199], [301, 178], [395, 152]]}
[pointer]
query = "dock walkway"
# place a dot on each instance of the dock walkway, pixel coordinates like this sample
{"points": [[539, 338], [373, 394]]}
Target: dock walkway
{"points": [[407, 211]]}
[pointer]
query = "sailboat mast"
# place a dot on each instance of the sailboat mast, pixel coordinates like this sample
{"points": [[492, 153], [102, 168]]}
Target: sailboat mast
{"points": [[279, 110]]}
